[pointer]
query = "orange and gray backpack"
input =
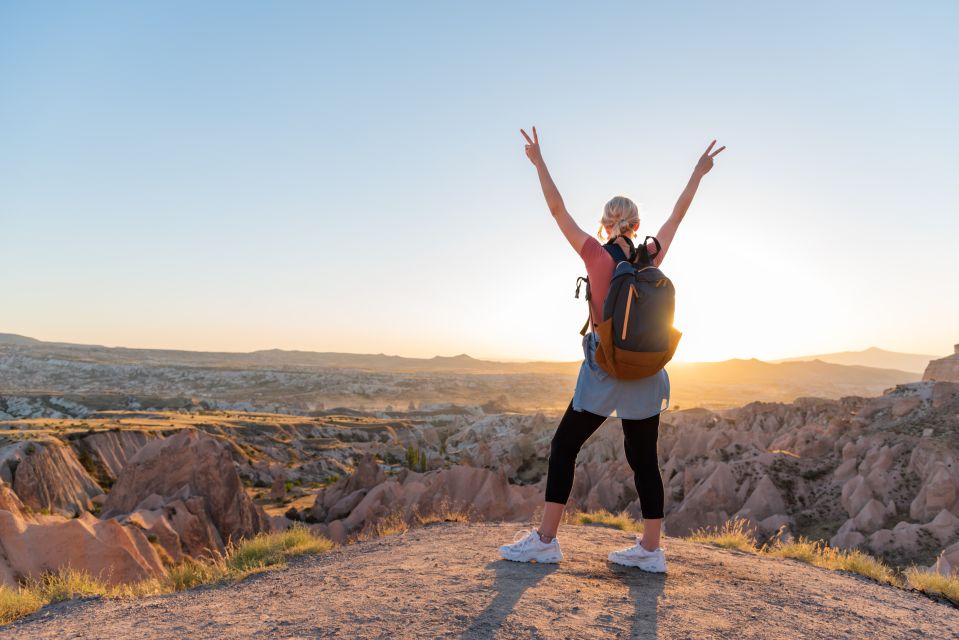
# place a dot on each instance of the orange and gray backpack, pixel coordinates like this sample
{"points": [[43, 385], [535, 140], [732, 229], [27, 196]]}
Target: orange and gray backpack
{"points": [[636, 336]]}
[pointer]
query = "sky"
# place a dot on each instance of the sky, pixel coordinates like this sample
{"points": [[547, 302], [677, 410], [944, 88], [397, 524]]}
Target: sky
{"points": [[235, 176]]}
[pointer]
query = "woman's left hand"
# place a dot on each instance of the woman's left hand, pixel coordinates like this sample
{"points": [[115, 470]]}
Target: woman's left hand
{"points": [[706, 161], [532, 148]]}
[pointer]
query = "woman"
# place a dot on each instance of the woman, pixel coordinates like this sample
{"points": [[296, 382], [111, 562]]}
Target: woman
{"points": [[637, 403]]}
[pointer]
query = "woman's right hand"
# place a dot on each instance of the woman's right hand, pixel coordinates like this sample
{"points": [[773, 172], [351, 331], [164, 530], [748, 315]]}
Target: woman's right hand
{"points": [[532, 148], [706, 160]]}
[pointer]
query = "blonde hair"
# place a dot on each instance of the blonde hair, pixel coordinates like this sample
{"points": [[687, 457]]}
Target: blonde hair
{"points": [[621, 214]]}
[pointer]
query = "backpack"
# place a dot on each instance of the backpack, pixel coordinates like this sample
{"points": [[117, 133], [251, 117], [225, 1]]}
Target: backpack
{"points": [[636, 336]]}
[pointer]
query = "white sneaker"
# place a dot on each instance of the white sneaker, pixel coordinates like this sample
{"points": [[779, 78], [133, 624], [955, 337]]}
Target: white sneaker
{"points": [[527, 547], [637, 556]]}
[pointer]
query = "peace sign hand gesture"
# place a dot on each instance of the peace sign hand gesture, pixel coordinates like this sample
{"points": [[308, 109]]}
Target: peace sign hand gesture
{"points": [[706, 161], [532, 148]]}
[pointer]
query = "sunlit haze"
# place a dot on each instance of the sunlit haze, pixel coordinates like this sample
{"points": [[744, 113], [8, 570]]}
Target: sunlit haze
{"points": [[238, 176]]}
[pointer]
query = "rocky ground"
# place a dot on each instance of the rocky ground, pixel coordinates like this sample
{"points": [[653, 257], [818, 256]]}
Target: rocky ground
{"points": [[126, 493], [446, 581]]}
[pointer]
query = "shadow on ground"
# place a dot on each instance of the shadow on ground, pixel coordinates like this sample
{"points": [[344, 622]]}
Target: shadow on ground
{"points": [[645, 590], [511, 581]]}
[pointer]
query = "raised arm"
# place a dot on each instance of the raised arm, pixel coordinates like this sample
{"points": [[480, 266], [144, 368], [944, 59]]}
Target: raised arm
{"points": [[576, 236], [668, 231]]}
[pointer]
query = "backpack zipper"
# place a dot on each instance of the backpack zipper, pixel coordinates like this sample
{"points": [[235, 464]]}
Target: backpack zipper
{"points": [[629, 302]]}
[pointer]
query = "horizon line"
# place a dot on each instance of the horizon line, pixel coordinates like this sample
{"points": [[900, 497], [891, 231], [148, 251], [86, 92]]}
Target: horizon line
{"points": [[807, 357]]}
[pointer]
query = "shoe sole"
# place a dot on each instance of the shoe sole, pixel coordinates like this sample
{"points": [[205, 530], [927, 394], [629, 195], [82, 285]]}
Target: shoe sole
{"points": [[636, 565], [544, 560]]}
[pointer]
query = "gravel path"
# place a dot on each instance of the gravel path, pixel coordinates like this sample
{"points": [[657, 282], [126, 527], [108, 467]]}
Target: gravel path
{"points": [[446, 581]]}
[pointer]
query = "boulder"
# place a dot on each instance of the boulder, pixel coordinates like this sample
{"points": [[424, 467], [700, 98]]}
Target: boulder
{"points": [[106, 549], [764, 501], [871, 517], [107, 452], [845, 471], [10, 502], [280, 523], [948, 561], [905, 406], [182, 526], [710, 503], [189, 465], [945, 393], [278, 488], [937, 493], [943, 369], [485, 494], [337, 532], [346, 504], [855, 494], [774, 524], [847, 537], [908, 538], [49, 478], [364, 477]]}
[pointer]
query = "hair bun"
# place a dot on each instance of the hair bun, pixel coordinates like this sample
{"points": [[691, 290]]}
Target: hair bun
{"points": [[620, 216]]}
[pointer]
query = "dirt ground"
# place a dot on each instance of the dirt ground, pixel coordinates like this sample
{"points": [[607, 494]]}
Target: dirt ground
{"points": [[446, 581]]}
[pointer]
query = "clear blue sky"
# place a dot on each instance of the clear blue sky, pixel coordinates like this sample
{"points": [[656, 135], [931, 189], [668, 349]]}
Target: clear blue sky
{"points": [[350, 177]]}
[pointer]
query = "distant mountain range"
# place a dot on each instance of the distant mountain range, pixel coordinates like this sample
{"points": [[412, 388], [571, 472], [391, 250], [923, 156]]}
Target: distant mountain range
{"points": [[723, 383], [872, 357], [278, 359], [34, 365]]}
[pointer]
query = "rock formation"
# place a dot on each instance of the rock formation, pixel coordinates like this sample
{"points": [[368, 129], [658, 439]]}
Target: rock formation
{"points": [[31, 545], [876, 473], [191, 481], [367, 495], [880, 473], [944, 369], [107, 452], [47, 477]]}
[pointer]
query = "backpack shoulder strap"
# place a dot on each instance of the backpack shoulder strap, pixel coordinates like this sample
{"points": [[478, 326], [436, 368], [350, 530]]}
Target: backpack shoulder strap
{"points": [[589, 319], [617, 253]]}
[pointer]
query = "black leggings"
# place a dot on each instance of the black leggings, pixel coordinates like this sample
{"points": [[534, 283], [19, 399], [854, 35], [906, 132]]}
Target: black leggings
{"points": [[639, 438]]}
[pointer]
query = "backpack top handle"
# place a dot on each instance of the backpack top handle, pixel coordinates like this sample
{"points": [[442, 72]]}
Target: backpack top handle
{"points": [[642, 251]]}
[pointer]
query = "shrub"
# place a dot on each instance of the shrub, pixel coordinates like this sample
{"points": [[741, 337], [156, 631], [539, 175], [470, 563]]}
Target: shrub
{"points": [[16, 603], [192, 573], [272, 549], [933, 583], [386, 526], [818, 554], [445, 513], [734, 534], [621, 520], [416, 458]]}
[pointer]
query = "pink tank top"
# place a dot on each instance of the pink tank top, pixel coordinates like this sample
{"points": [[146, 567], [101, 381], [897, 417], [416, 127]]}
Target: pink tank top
{"points": [[599, 269]]}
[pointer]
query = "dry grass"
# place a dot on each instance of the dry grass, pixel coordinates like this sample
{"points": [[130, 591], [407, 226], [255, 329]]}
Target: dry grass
{"points": [[395, 523], [17, 603], [264, 551], [737, 535], [621, 520], [819, 554], [933, 583], [192, 573], [445, 513], [273, 549], [388, 525], [734, 534]]}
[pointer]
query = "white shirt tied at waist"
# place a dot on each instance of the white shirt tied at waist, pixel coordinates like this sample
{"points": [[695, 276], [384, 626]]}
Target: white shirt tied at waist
{"points": [[600, 393]]}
